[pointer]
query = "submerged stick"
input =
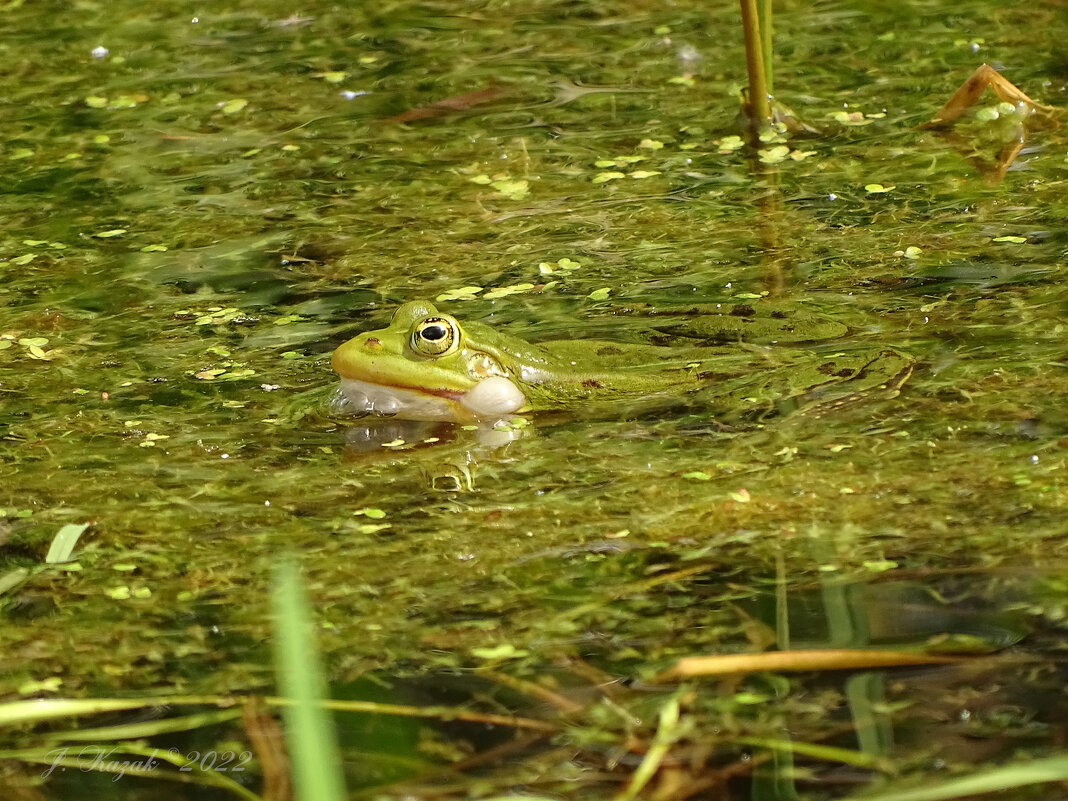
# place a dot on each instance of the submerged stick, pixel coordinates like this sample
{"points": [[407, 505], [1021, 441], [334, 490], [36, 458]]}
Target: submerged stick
{"points": [[972, 89], [814, 659]]}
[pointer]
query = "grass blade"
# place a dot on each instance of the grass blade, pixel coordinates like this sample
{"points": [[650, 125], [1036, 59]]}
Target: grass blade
{"points": [[63, 543], [13, 579], [1039, 771], [310, 734]]}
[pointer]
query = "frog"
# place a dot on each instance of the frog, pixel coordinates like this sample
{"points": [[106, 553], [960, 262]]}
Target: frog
{"points": [[428, 366]]}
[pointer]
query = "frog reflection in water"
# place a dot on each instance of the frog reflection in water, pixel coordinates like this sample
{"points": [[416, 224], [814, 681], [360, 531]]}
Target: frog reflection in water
{"points": [[427, 366]]}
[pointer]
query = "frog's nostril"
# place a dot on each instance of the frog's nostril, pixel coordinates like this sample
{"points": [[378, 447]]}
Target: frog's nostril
{"points": [[373, 343]]}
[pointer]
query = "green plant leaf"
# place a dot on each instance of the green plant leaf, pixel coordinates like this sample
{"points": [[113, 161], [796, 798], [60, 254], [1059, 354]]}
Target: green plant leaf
{"points": [[63, 543]]}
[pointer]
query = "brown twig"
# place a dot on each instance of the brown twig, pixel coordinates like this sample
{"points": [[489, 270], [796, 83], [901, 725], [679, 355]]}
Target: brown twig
{"points": [[267, 740]]}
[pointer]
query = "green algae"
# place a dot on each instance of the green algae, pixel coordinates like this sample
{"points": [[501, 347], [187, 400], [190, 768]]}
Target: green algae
{"points": [[237, 207]]}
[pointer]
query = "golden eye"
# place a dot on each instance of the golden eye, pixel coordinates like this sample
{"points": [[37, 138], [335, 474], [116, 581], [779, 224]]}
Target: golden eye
{"points": [[435, 336]]}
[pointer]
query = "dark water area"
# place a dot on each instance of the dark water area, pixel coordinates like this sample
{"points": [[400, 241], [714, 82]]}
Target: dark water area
{"points": [[199, 205]]}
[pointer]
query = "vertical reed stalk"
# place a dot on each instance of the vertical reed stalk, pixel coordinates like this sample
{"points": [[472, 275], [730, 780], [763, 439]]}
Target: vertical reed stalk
{"points": [[765, 30], [760, 107]]}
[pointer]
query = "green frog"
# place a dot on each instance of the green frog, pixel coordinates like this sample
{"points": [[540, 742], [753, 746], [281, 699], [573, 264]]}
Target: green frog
{"points": [[428, 366]]}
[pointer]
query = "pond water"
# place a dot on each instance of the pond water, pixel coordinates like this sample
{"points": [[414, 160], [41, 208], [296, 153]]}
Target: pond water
{"points": [[200, 203]]}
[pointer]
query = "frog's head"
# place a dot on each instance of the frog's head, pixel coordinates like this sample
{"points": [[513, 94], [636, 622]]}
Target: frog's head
{"points": [[424, 367]]}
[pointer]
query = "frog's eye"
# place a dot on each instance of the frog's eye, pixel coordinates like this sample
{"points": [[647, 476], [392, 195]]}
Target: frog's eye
{"points": [[435, 336]]}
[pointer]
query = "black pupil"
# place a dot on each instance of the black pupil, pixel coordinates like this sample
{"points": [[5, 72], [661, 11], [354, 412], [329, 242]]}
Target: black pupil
{"points": [[434, 332]]}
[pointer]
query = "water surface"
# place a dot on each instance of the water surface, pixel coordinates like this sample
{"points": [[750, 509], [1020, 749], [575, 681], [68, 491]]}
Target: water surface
{"points": [[199, 204]]}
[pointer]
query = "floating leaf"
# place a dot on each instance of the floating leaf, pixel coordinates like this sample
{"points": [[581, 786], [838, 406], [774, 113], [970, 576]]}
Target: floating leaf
{"points": [[154, 249], [110, 233], [879, 565], [1015, 240], [127, 101], [650, 144], [371, 528], [286, 319], [515, 190], [463, 293], [912, 252], [564, 265], [600, 294], [503, 651], [503, 291], [697, 475], [644, 173], [371, 512], [20, 153], [774, 155], [49, 685], [233, 375], [729, 144], [750, 698], [854, 118], [603, 177], [26, 258], [234, 106], [878, 189]]}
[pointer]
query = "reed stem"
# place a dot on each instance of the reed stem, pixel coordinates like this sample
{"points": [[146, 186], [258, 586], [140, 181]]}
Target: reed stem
{"points": [[760, 107]]}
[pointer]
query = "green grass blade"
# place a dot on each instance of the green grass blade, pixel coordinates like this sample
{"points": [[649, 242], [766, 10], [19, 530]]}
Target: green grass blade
{"points": [[310, 735], [13, 579], [765, 37], [826, 752], [1038, 771], [63, 543], [15, 713], [144, 729]]}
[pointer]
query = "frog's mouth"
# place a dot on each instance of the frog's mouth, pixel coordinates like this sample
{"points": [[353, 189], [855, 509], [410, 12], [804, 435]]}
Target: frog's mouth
{"points": [[488, 401]]}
